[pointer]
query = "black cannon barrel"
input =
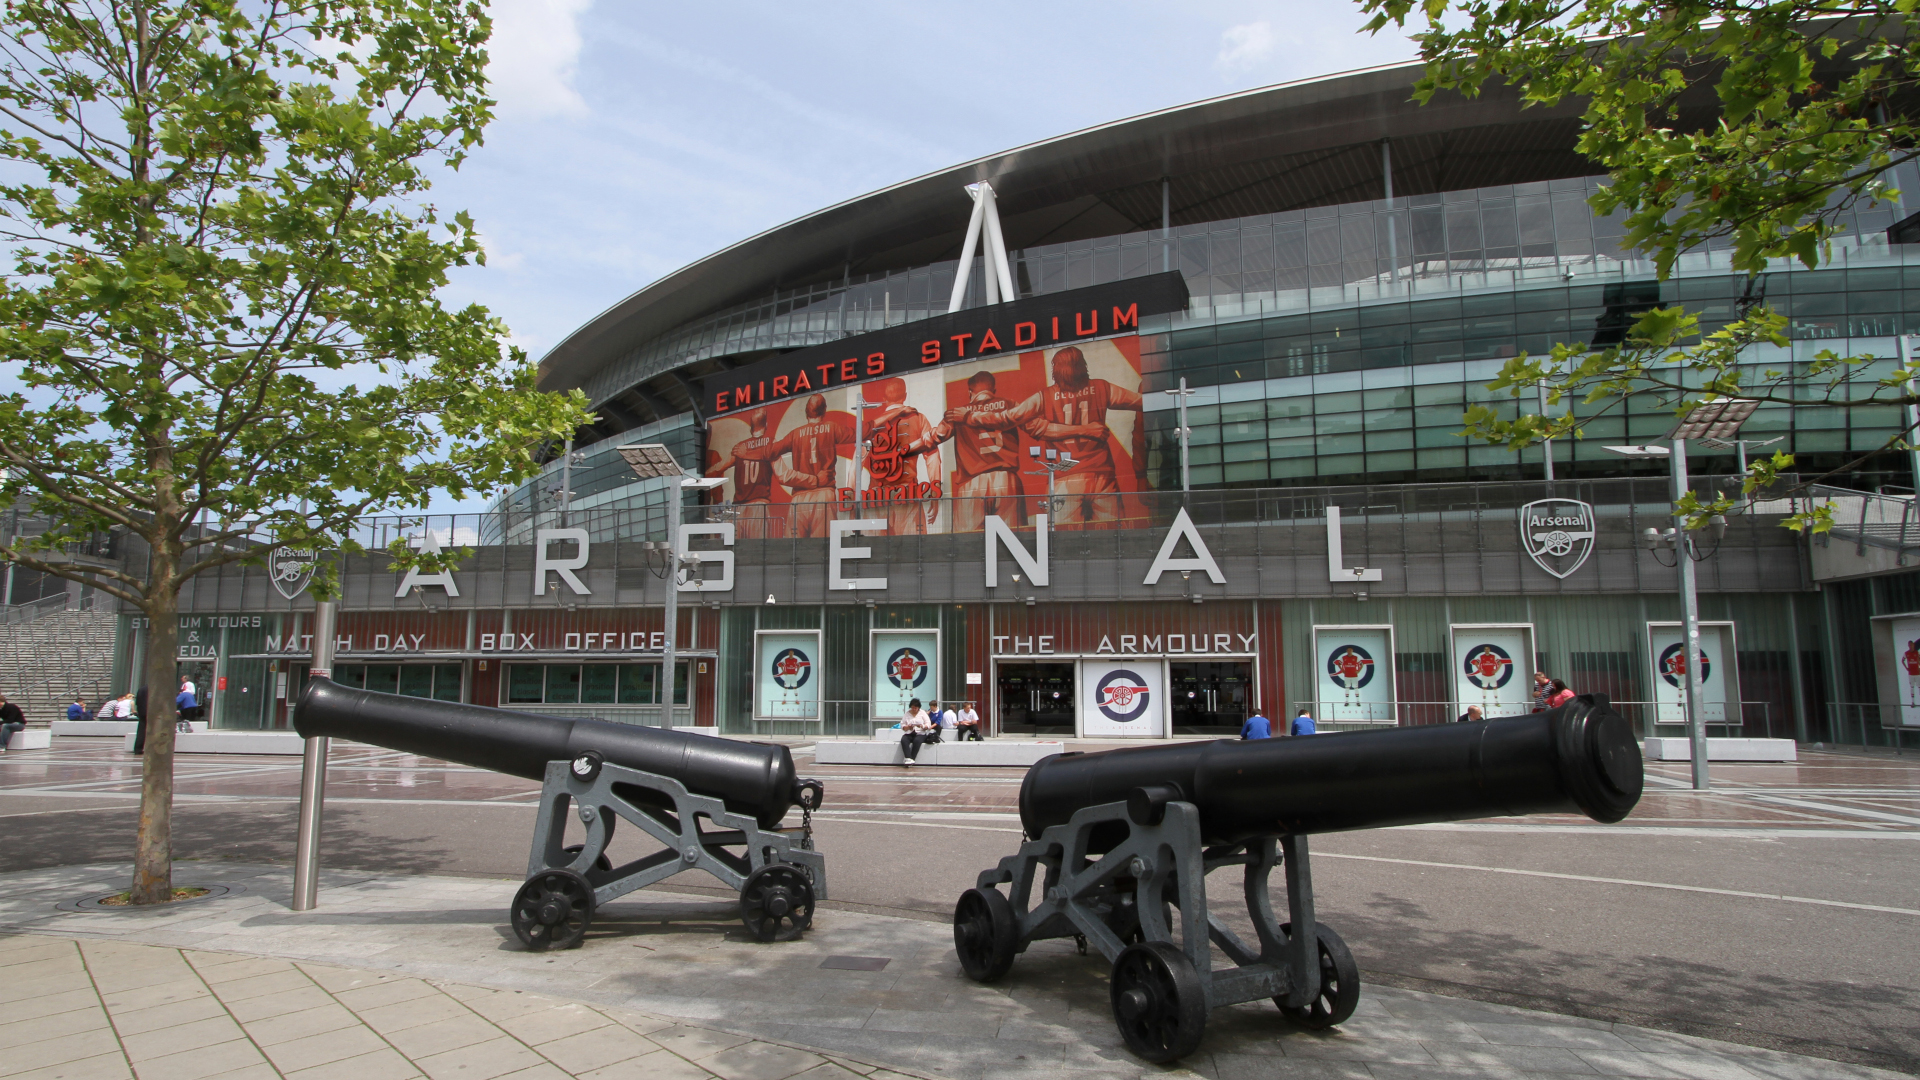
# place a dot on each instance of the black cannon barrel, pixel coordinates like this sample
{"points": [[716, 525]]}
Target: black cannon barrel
{"points": [[1578, 758], [756, 779]]}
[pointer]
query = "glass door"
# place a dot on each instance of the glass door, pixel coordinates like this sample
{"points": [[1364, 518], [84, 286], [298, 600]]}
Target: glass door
{"points": [[1210, 697], [1036, 699]]}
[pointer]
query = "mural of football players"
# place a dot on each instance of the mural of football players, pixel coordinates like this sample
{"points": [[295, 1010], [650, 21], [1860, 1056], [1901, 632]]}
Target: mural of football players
{"points": [[903, 439], [1070, 415], [809, 471], [986, 477], [751, 460]]}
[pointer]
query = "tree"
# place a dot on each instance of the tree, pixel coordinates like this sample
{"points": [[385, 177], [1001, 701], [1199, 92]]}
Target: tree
{"points": [[222, 316], [1749, 123]]}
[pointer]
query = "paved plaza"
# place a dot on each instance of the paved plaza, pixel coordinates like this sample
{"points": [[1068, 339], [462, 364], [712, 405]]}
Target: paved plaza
{"points": [[1775, 914]]}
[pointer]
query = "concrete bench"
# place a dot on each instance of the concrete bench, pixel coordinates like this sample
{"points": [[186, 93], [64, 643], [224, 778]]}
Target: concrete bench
{"points": [[1019, 753], [30, 739], [234, 742], [96, 729], [1723, 750]]}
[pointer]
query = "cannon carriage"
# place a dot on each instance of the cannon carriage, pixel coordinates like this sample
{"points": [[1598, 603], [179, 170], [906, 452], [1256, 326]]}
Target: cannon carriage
{"points": [[713, 805], [1120, 843]]}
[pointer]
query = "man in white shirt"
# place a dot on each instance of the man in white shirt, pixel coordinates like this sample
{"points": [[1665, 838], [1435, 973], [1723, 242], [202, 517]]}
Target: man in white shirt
{"points": [[916, 730], [967, 724]]}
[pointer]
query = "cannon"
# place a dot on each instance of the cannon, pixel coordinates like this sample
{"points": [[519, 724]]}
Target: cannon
{"points": [[714, 804], [1118, 841]]}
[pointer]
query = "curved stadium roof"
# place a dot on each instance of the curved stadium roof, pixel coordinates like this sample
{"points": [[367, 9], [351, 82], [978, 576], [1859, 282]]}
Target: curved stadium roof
{"points": [[1296, 145]]}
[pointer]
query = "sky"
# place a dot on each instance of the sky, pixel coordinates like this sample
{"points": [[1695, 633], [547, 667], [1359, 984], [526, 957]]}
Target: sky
{"points": [[633, 139]]}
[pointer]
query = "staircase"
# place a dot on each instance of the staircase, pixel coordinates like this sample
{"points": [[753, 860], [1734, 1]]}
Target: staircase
{"points": [[49, 653]]}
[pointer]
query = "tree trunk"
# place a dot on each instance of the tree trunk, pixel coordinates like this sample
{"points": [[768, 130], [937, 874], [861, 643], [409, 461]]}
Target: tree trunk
{"points": [[153, 850]]}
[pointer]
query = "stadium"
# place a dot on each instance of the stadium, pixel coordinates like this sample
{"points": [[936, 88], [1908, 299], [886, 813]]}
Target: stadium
{"points": [[1134, 430]]}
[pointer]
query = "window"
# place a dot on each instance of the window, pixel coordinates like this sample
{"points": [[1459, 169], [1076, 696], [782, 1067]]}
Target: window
{"points": [[589, 684], [438, 681]]}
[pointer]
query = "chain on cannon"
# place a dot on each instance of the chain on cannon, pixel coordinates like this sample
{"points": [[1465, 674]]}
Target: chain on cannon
{"points": [[1120, 845]]}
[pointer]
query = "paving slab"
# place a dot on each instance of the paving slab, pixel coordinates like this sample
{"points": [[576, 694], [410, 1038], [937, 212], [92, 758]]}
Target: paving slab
{"points": [[419, 976]]}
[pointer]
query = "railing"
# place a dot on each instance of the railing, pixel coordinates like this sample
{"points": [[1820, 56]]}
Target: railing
{"points": [[1645, 716], [46, 605], [836, 719], [1862, 724], [1869, 519]]}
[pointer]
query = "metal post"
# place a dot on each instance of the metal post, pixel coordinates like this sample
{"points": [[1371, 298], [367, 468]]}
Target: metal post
{"points": [[1180, 397], [1393, 239], [566, 483], [1913, 415], [1546, 445], [313, 772], [1166, 224], [1690, 620], [673, 596]]}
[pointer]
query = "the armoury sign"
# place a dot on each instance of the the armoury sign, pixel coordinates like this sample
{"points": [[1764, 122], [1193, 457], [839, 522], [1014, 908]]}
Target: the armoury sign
{"points": [[1558, 534], [1038, 322]]}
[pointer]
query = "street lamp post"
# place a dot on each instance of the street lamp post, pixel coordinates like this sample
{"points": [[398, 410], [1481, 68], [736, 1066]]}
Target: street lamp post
{"points": [[860, 407], [1180, 396], [1718, 419], [650, 461], [1054, 462]]}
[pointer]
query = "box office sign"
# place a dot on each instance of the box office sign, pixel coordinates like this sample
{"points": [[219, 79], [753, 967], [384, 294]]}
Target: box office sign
{"points": [[787, 675], [1122, 700], [1493, 668], [906, 665]]}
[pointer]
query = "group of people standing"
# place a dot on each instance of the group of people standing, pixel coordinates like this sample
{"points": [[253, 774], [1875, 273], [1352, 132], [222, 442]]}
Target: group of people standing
{"points": [[920, 726]]}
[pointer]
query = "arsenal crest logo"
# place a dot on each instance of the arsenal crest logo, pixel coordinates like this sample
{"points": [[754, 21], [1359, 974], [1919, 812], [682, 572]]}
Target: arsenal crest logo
{"points": [[1350, 666], [907, 668], [1558, 533], [1489, 666], [792, 669], [290, 569], [1673, 665], [1121, 696]]}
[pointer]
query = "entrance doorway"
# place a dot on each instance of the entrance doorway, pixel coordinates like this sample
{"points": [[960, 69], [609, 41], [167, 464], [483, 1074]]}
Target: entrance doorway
{"points": [[1210, 697], [1036, 699], [200, 672]]}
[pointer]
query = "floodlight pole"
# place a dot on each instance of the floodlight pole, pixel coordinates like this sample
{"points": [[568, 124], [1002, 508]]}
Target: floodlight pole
{"points": [[1546, 445], [313, 772], [1690, 619]]}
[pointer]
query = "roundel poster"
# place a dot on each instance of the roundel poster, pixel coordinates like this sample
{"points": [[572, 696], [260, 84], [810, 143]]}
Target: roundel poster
{"points": [[1122, 699], [1906, 660], [1356, 675], [787, 676], [1670, 674], [1493, 668], [905, 666]]}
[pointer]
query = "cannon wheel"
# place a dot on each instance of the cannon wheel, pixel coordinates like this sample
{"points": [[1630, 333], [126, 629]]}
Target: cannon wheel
{"points": [[1159, 1003], [984, 934], [776, 903], [601, 863], [553, 908], [1339, 983]]}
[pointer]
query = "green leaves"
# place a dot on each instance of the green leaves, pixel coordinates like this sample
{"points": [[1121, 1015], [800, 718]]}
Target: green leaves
{"points": [[227, 284]]}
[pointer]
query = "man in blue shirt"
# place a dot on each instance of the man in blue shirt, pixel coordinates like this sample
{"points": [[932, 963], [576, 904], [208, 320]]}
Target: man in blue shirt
{"points": [[1256, 727], [1302, 724], [78, 710]]}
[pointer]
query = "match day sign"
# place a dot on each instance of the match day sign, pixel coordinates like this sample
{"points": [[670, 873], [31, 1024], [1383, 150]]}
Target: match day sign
{"points": [[787, 675], [1123, 700]]}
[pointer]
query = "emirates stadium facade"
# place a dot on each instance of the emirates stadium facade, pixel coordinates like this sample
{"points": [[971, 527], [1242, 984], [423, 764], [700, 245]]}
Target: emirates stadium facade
{"points": [[1335, 273]]}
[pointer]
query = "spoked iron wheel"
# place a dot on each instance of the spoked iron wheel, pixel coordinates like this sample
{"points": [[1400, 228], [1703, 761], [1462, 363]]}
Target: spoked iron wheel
{"points": [[1339, 983], [776, 903], [984, 934], [1158, 1001], [553, 909]]}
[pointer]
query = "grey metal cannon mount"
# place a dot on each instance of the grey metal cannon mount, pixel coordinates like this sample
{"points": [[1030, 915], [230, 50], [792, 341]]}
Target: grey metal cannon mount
{"points": [[1117, 840], [714, 804]]}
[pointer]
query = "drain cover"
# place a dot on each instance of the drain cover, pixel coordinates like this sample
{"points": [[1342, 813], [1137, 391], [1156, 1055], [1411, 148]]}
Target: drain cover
{"points": [[856, 963]]}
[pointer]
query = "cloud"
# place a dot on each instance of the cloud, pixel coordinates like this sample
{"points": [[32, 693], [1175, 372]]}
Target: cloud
{"points": [[535, 46], [498, 259], [1243, 46]]}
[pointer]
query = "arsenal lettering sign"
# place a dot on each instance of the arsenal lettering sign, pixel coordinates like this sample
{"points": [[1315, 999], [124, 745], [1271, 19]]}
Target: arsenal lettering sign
{"points": [[1558, 533], [1038, 322]]}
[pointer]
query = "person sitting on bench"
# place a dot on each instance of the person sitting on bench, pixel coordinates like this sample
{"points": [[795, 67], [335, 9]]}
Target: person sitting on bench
{"points": [[916, 730]]}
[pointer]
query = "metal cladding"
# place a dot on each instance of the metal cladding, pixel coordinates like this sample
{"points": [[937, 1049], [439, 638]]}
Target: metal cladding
{"points": [[1578, 758], [754, 779]]}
